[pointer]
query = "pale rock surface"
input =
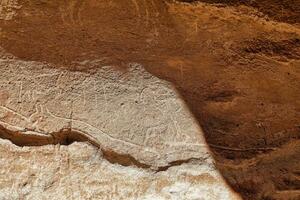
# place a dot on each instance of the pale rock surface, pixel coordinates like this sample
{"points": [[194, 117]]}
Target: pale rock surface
{"points": [[134, 137], [78, 171], [129, 112]]}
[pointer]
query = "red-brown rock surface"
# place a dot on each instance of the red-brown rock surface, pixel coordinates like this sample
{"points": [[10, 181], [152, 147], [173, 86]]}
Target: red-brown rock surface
{"points": [[235, 64]]}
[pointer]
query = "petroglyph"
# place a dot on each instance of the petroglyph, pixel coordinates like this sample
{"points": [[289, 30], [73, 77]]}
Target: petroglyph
{"points": [[118, 125], [130, 113]]}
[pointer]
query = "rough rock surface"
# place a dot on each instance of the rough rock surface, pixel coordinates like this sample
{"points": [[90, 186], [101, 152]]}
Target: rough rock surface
{"points": [[8, 9], [141, 131], [79, 171], [235, 65], [129, 112]]}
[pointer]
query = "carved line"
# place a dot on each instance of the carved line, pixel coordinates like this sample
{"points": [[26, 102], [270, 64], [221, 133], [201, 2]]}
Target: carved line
{"points": [[102, 132], [16, 113]]}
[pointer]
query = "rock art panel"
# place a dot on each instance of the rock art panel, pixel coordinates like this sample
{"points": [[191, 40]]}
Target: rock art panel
{"points": [[109, 134], [129, 112]]}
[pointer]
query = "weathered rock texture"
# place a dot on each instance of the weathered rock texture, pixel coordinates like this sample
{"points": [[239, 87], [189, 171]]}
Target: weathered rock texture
{"points": [[131, 117], [79, 171], [129, 112], [8, 9], [235, 66]]}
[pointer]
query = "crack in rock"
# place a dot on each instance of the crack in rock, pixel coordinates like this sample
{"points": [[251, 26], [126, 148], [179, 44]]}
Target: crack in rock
{"points": [[67, 137], [134, 117]]}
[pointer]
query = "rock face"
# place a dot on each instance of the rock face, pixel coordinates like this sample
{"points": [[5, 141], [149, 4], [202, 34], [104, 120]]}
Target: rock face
{"points": [[79, 171], [129, 83], [8, 9], [137, 127], [129, 113]]}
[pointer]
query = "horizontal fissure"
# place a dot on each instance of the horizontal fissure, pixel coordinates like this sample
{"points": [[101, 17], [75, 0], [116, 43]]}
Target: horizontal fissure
{"points": [[67, 137]]}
